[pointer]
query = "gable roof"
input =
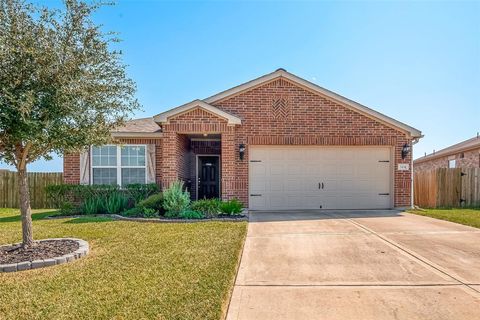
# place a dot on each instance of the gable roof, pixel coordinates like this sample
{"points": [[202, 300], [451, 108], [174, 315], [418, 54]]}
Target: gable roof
{"points": [[164, 116], [469, 144], [282, 73]]}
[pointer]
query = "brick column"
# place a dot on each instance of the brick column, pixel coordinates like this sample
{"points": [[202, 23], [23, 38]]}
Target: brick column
{"points": [[170, 154], [402, 179], [228, 163]]}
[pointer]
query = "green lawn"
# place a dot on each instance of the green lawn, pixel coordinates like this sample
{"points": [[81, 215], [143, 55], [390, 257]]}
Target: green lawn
{"points": [[134, 270], [469, 217]]}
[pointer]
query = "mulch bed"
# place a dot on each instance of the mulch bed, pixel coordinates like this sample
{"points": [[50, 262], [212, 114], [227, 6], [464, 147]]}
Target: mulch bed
{"points": [[42, 250]]}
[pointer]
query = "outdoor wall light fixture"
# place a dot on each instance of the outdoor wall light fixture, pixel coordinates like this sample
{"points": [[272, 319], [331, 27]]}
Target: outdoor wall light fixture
{"points": [[405, 150], [241, 150]]}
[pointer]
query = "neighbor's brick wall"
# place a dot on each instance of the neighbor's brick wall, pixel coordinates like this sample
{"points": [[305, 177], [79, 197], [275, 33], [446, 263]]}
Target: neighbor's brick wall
{"points": [[471, 159]]}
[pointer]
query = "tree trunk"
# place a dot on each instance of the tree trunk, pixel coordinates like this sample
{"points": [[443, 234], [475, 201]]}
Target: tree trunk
{"points": [[26, 211]]}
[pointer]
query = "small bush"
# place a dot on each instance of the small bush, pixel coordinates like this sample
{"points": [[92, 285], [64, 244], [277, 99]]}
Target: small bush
{"points": [[191, 214], [133, 212], [175, 200], [67, 208], [209, 207], [231, 207], [116, 203], [155, 201], [94, 205], [139, 192], [150, 213]]}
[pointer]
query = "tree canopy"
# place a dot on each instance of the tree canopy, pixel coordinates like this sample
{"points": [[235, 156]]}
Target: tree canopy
{"points": [[62, 86]]}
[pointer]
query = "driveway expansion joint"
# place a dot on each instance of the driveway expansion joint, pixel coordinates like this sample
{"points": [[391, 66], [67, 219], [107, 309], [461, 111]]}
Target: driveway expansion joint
{"points": [[410, 253]]}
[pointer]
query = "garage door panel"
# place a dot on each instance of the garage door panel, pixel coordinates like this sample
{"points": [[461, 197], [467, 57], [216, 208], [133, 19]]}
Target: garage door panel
{"points": [[288, 177]]}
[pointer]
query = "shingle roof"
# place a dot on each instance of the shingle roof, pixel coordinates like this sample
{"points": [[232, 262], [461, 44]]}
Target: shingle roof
{"points": [[456, 148], [144, 125]]}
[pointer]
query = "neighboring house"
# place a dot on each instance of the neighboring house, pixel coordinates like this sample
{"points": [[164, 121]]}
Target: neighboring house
{"points": [[276, 142], [465, 154]]}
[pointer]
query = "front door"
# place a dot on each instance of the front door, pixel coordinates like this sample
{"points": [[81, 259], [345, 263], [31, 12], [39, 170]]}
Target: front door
{"points": [[208, 177]]}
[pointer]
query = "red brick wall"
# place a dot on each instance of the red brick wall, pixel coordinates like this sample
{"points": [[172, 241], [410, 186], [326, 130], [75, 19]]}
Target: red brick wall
{"points": [[467, 159], [71, 168]]}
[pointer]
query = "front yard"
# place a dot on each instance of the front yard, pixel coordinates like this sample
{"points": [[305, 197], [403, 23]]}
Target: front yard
{"points": [[468, 217], [134, 270]]}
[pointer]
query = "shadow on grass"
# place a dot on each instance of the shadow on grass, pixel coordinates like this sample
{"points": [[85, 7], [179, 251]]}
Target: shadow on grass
{"points": [[35, 216], [89, 220]]}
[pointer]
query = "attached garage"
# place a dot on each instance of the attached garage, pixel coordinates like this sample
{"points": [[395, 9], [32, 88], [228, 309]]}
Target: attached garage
{"points": [[317, 177]]}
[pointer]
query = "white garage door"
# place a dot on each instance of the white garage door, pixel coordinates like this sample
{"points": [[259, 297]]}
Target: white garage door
{"points": [[307, 177]]}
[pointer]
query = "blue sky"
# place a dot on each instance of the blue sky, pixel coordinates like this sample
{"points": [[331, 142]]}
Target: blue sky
{"points": [[418, 62]]}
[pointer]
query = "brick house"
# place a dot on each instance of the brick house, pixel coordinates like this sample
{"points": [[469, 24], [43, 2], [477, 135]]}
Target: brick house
{"points": [[276, 142], [465, 154]]}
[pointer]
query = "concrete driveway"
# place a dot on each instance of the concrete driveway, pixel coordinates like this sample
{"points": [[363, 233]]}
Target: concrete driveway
{"points": [[357, 265]]}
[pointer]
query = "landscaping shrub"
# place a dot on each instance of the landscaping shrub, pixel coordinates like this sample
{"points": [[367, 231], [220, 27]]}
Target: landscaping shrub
{"points": [[149, 213], [68, 208], [209, 207], [133, 212], [116, 203], [94, 205], [71, 195], [139, 192], [191, 214], [175, 200], [231, 207], [155, 201]]}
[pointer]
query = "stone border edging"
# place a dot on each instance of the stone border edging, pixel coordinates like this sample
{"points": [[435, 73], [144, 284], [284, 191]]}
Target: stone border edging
{"points": [[82, 251]]}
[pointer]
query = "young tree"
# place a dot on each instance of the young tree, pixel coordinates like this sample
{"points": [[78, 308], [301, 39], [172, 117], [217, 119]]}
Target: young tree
{"points": [[62, 86]]}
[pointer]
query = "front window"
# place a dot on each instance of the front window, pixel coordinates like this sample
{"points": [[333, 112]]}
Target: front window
{"points": [[118, 165]]}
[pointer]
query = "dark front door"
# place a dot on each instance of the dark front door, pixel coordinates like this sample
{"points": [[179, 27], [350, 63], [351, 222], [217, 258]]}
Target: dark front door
{"points": [[208, 177]]}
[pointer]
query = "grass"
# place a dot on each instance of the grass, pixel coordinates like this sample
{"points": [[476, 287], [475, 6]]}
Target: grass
{"points": [[468, 217], [134, 270]]}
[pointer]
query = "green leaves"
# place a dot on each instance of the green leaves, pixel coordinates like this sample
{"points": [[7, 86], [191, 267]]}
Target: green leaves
{"points": [[62, 88]]}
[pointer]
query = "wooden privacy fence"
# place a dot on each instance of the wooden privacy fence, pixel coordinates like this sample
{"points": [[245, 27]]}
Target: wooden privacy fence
{"points": [[37, 181], [447, 188]]}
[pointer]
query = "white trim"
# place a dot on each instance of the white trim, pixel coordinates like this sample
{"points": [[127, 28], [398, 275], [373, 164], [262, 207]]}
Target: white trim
{"points": [[280, 73], [119, 166], [164, 116], [219, 173]]}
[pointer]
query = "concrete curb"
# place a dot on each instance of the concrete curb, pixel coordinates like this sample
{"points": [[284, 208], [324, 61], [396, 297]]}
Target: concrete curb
{"points": [[82, 251]]}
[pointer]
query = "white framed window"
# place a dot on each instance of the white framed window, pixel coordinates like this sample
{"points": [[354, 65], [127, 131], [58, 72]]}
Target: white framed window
{"points": [[452, 163], [118, 164]]}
